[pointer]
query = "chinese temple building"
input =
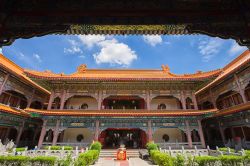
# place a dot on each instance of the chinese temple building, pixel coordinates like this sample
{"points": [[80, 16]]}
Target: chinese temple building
{"points": [[126, 106]]}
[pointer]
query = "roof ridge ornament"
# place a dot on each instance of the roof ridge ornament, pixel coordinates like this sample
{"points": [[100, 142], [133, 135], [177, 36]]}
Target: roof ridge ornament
{"points": [[165, 68], [82, 68]]}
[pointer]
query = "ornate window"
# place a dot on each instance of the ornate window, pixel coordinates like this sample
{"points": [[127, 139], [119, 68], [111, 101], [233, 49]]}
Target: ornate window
{"points": [[162, 106], [79, 138], [165, 137], [84, 106]]}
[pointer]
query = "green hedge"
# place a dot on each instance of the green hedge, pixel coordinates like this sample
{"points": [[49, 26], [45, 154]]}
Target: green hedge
{"points": [[206, 160], [20, 149], [87, 158], [59, 147], [26, 161], [226, 149]]}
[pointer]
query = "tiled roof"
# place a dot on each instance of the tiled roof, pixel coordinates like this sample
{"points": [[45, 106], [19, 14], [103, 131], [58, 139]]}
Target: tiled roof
{"points": [[119, 74], [19, 72], [233, 66], [115, 113], [15, 111]]}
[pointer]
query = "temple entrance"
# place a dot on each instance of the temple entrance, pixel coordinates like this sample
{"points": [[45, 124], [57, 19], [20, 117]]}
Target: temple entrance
{"points": [[131, 138]]}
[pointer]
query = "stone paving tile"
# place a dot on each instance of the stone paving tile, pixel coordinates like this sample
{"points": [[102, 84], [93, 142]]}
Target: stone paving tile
{"points": [[130, 162]]}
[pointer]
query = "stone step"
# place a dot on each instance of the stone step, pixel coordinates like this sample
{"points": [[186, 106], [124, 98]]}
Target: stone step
{"points": [[112, 153]]}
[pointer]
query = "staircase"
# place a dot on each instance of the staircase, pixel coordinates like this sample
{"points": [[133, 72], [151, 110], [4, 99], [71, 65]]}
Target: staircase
{"points": [[111, 153]]}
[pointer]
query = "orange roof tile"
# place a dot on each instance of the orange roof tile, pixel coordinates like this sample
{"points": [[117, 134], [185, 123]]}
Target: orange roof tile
{"points": [[121, 74], [233, 66], [8, 109], [19, 72], [115, 113]]}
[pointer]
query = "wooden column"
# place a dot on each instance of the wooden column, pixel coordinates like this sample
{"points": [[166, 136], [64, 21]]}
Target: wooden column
{"points": [[4, 82], [212, 98], [150, 133], [56, 133], [99, 100], [241, 90], [195, 102], [222, 134], [201, 134], [19, 133], [97, 124], [188, 132], [35, 134], [183, 101], [42, 135], [62, 99], [148, 99], [31, 98], [51, 99]]}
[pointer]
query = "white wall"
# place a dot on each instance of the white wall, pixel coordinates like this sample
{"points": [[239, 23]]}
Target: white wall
{"points": [[173, 133], [71, 134], [77, 102], [171, 103]]}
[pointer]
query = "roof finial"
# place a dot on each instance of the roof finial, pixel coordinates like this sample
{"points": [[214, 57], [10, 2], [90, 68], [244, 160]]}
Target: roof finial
{"points": [[82, 68], [165, 68]]}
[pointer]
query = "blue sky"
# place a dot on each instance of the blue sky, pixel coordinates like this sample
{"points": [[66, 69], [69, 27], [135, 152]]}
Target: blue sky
{"points": [[63, 53]]}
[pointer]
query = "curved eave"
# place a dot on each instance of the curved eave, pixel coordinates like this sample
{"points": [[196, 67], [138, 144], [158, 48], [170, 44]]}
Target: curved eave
{"points": [[10, 110], [233, 109], [121, 113], [119, 79], [232, 67]]}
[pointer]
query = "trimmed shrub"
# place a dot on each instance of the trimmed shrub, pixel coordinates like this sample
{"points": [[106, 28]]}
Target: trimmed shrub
{"points": [[151, 146], [20, 149], [96, 146], [206, 160], [59, 147], [161, 159], [230, 160], [66, 162], [24, 160], [179, 160], [43, 160], [14, 160], [226, 150], [87, 158]]}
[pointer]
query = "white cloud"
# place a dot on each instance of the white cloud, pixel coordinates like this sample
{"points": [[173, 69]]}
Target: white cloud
{"points": [[74, 48], [236, 49], [1, 50], [209, 48], [37, 57], [153, 40], [113, 52], [91, 40]]}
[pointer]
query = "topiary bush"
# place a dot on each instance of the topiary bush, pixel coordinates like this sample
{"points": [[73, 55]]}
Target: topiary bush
{"points": [[179, 160], [96, 146], [151, 146], [20, 149], [87, 158]]}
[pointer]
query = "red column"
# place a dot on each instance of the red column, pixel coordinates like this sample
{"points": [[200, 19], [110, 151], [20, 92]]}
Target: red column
{"points": [[201, 134], [150, 137], [62, 99], [99, 100], [148, 100], [222, 133], [195, 102], [56, 133], [188, 132], [183, 101], [19, 133], [242, 93], [4, 82], [42, 135], [51, 99], [97, 124]]}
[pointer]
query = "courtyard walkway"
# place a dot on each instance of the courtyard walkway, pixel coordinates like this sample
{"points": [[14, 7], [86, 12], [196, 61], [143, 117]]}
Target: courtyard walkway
{"points": [[130, 162]]}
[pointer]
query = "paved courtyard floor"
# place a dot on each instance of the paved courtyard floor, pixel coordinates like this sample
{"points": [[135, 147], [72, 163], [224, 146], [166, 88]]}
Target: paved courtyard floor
{"points": [[130, 162]]}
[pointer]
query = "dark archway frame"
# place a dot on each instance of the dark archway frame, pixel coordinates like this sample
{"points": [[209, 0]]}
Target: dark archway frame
{"points": [[227, 19]]}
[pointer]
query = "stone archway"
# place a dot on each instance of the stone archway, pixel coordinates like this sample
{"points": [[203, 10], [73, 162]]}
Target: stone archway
{"points": [[81, 102], [169, 102], [173, 134]]}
